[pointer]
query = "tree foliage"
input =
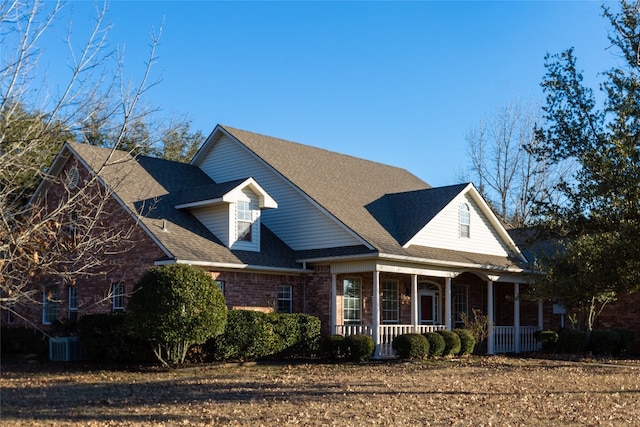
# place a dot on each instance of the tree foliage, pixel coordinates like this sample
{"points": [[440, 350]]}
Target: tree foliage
{"points": [[600, 216], [174, 307]]}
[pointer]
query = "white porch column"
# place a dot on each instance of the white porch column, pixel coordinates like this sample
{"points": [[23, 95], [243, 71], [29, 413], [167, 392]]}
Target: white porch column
{"points": [[414, 302], [447, 303], [376, 313], [490, 337], [540, 315], [516, 315], [334, 303]]}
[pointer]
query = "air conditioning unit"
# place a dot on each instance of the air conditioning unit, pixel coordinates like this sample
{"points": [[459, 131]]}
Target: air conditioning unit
{"points": [[64, 349]]}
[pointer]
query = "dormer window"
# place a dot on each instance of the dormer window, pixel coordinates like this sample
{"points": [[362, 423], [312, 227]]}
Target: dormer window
{"points": [[245, 221], [465, 221]]}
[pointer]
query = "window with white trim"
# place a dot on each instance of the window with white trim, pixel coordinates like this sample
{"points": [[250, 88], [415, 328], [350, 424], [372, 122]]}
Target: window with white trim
{"points": [[50, 305], [352, 300], [220, 284], [389, 301], [460, 296], [244, 215], [73, 303], [285, 299], [465, 220], [117, 297]]}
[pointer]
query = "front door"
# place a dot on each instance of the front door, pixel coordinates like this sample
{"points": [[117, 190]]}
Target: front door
{"points": [[428, 309]]}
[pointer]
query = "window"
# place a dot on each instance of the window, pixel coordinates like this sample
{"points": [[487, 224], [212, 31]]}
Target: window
{"points": [[245, 218], [465, 220], [73, 303], [389, 301], [117, 296], [352, 301], [50, 305], [460, 303], [220, 284], [285, 300], [73, 176], [10, 316]]}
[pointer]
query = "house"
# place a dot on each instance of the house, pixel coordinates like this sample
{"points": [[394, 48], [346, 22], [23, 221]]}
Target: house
{"points": [[367, 247]]}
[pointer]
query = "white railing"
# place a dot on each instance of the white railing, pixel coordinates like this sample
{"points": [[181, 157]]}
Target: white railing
{"points": [[386, 334], [505, 339], [504, 336]]}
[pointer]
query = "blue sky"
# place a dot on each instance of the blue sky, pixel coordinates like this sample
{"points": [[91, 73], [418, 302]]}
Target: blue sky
{"points": [[394, 82]]}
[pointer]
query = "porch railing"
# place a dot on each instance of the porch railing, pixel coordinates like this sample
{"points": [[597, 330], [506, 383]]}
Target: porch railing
{"points": [[504, 336], [505, 339]]}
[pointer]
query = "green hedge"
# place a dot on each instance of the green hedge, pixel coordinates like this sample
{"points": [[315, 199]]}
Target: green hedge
{"points": [[411, 346], [436, 344], [467, 341], [108, 338], [571, 341], [334, 347], [549, 340], [21, 341], [251, 335], [452, 343]]}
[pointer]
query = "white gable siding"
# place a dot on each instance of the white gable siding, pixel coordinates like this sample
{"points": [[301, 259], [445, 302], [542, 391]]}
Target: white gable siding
{"points": [[443, 231], [216, 219], [299, 223]]}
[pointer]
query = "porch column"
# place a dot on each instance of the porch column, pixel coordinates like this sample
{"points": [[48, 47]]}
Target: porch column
{"points": [[376, 313], [490, 337], [516, 315], [414, 302], [334, 303], [447, 303], [540, 315]]}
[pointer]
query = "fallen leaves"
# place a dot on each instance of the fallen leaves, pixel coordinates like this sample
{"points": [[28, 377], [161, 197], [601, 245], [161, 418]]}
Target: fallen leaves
{"points": [[488, 391]]}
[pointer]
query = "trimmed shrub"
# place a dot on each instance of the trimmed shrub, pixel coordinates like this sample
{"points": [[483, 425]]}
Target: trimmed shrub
{"points": [[108, 338], [571, 341], [296, 335], [20, 341], [359, 347], [467, 341], [549, 340], [334, 347], [175, 306], [436, 343], [411, 346], [452, 343], [248, 336], [604, 341], [627, 338]]}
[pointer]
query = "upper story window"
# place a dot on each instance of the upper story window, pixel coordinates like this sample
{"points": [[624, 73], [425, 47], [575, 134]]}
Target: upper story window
{"points": [[465, 220], [245, 221]]}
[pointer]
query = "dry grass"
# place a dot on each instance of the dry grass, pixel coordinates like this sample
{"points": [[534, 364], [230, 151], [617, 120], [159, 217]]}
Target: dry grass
{"points": [[489, 391]]}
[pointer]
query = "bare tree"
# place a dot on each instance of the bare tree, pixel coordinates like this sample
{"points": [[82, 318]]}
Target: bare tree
{"points": [[506, 173], [59, 236]]}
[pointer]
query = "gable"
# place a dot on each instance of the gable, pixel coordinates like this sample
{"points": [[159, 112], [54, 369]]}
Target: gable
{"points": [[443, 231], [298, 221]]}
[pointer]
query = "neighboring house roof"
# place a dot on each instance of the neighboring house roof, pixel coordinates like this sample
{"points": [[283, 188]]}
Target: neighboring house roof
{"points": [[149, 188]]}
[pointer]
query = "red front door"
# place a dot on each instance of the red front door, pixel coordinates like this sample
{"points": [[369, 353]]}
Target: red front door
{"points": [[426, 310]]}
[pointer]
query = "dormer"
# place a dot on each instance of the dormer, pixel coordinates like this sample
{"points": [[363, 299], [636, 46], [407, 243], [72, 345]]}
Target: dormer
{"points": [[231, 211]]}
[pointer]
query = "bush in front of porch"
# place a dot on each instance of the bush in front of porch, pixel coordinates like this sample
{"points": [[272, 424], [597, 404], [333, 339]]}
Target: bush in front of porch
{"points": [[436, 343], [411, 346], [452, 343]]}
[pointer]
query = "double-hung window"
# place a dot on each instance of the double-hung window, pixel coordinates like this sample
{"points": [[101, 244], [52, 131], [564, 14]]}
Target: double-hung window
{"points": [[117, 297], [244, 220], [352, 300], [465, 221], [460, 303], [50, 305], [285, 299], [73, 303], [390, 301]]}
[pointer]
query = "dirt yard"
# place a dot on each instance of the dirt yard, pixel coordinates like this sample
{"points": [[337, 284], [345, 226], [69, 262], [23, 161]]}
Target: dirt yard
{"points": [[485, 391]]}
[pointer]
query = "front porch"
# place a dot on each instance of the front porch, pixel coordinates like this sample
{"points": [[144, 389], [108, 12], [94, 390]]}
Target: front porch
{"points": [[397, 303]]}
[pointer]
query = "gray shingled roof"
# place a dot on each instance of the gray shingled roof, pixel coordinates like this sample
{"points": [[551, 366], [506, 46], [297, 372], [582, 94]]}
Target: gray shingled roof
{"points": [[383, 204], [150, 187]]}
